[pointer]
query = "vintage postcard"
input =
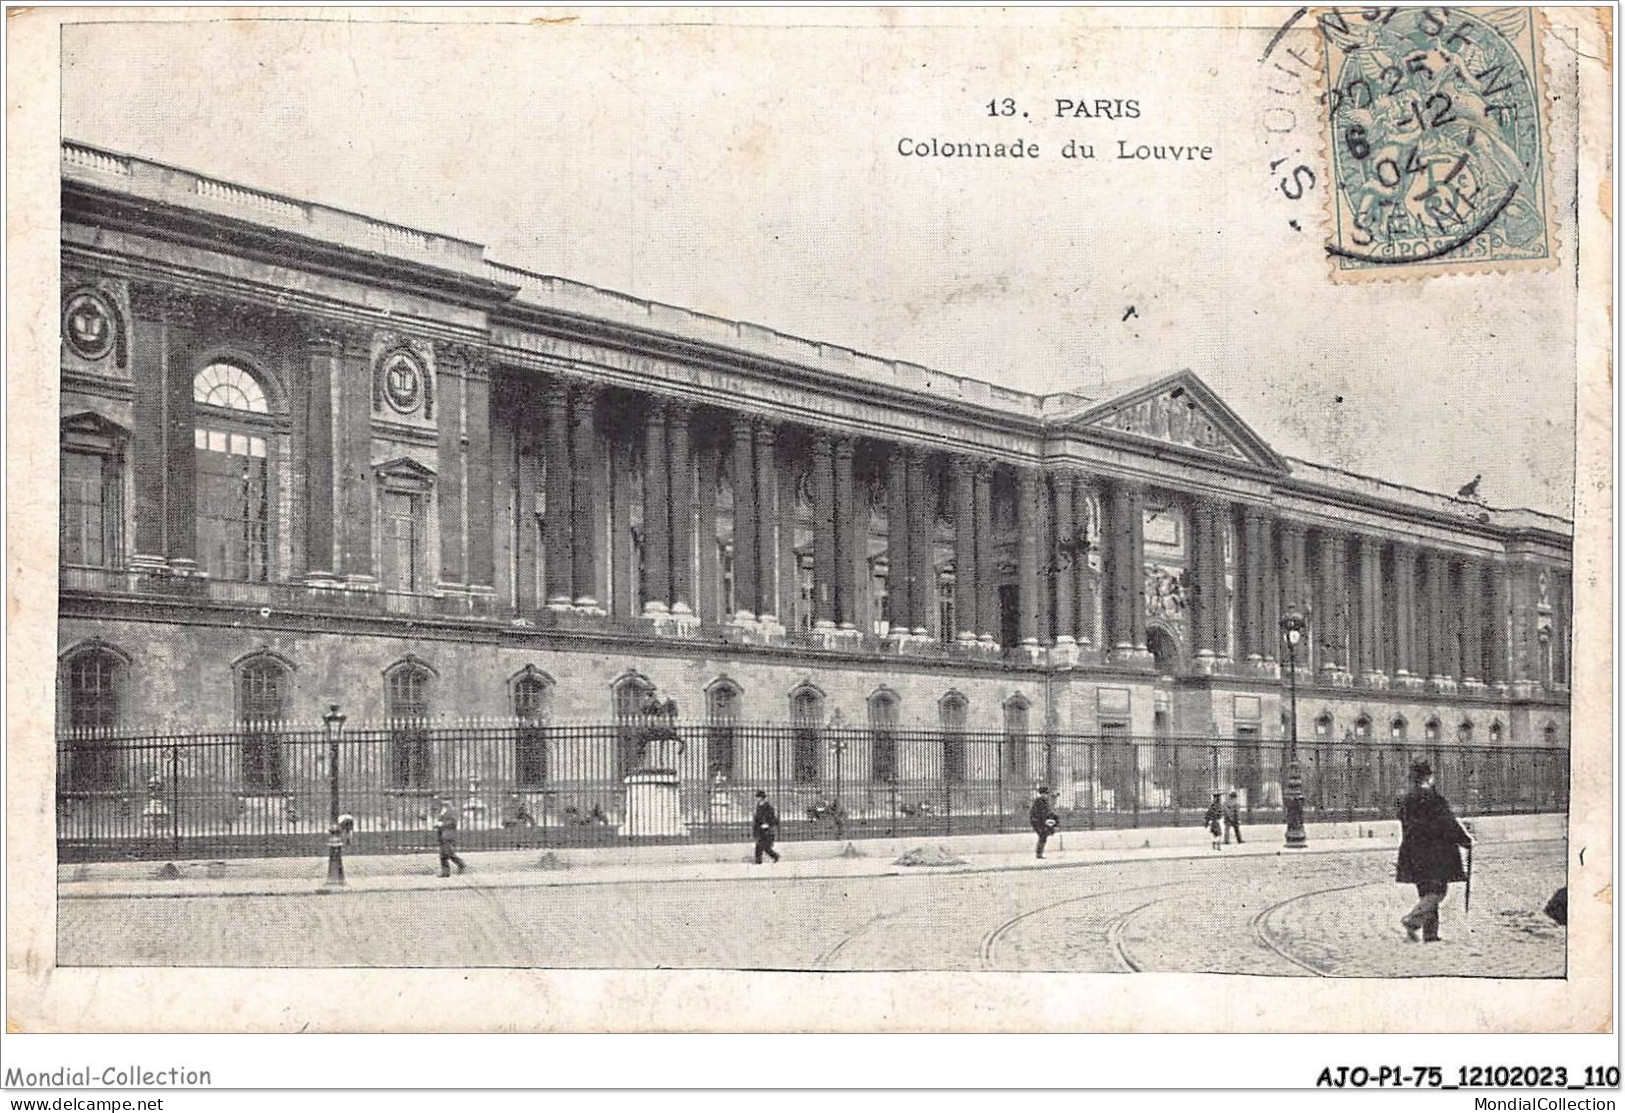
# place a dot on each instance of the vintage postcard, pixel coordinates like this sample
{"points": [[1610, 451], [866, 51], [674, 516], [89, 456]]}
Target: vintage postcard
{"points": [[843, 520]]}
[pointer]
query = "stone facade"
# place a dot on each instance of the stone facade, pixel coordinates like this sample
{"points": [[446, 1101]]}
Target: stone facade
{"points": [[320, 444]]}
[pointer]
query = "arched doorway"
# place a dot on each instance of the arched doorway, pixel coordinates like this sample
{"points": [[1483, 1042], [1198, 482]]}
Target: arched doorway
{"points": [[1164, 650]]}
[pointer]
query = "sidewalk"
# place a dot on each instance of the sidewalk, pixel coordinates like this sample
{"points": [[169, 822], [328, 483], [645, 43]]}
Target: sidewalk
{"points": [[731, 862]]}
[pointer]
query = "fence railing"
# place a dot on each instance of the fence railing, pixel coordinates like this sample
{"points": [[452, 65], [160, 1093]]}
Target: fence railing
{"points": [[270, 788]]}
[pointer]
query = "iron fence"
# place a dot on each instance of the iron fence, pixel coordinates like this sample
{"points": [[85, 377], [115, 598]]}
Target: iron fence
{"points": [[270, 788]]}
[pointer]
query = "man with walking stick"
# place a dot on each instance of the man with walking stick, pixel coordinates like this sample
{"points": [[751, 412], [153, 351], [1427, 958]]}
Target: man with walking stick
{"points": [[1428, 857]]}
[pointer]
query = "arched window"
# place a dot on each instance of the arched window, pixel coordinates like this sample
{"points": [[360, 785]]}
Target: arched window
{"points": [[807, 715], [532, 692], [262, 698], [1362, 728], [1396, 730], [883, 736], [407, 690], [1323, 726], [1497, 733], [1016, 711], [1464, 732], [722, 702], [1431, 730], [92, 690], [952, 711], [629, 695], [233, 474], [1548, 734]]}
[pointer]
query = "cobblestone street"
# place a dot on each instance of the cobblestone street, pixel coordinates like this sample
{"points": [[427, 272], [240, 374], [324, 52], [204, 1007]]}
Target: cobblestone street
{"points": [[1333, 913]]}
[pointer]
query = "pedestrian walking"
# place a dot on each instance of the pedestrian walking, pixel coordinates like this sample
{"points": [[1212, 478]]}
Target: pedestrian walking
{"points": [[445, 826], [1213, 819], [1428, 854], [1232, 817], [1043, 818], [765, 824]]}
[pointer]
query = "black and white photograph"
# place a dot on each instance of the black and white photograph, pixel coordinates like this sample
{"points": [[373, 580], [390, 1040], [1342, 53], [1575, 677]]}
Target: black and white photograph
{"points": [[1085, 493]]}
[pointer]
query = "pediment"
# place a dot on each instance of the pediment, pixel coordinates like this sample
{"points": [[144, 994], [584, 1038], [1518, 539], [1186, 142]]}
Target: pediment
{"points": [[1181, 411]]}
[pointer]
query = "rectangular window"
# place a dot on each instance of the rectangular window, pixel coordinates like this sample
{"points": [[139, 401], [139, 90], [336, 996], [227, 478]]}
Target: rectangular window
{"points": [[86, 504], [945, 610], [233, 506], [402, 531]]}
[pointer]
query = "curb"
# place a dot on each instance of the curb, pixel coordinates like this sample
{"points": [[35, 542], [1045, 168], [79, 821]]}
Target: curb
{"points": [[514, 880]]}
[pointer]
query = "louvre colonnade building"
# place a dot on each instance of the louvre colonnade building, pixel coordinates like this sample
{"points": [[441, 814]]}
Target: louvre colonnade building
{"points": [[312, 457]]}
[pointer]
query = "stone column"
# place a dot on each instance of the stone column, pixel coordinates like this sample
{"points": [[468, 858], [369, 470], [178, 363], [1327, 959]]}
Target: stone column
{"points": [[322, 366], [1472, 623], [744, 540], [987, 562], [1136, 568], [1499, 595], [825, 563], [583, 466], [681, 489], [477, 394], [708, 462], [1069, 553], [656, 513], [1269, 603], [1200, 579], [921, 534], [768, 516], [149, 354], [1253, 633], [450, 492], [851, 539], [1371, 664], [964, 471], [1295, 584], [1404, 665], [625, 480], [1222, 633], [1027, 553], [1082, 582], [898, 562], [1330, 622], [558, 526], [353, 467], [1120, 590], [1436, 569], [180, 475]]}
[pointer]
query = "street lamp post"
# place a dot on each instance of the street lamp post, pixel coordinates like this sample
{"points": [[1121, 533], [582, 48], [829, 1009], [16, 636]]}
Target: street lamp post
{"points": [[1292, 625], [334, 722]]}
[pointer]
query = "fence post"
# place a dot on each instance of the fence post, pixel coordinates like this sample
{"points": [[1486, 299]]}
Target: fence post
{"points": [[175, 797]]}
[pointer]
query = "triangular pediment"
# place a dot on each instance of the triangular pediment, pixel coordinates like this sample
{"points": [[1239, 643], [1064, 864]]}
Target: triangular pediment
{"points": [[1181, 411]]}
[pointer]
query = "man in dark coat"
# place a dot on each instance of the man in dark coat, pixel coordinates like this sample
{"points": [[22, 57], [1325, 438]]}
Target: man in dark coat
{"points": [[1428, 854], [445, 826], [765, 824], [1043, 818], [1232, 817]]}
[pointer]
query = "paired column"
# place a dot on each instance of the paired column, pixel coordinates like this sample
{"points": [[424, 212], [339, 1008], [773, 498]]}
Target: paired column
{"points": [[1201, 580], [322, 368], [1436, 575], [965, 571], [681, 491], [557, 525], [1126, 570], [1082, 587], [1407, 659], [1332, 622]]}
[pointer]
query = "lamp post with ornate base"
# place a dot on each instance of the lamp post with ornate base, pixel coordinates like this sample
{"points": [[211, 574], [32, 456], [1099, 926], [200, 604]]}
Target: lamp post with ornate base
{"points": [[334, 722], [1292, 626]]}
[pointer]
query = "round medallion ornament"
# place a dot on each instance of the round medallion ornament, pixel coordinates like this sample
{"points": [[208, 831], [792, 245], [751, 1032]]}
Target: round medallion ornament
{"points": [[403, 383], [87, 325]]}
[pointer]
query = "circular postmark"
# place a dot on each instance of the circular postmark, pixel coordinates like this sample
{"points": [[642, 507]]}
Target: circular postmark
{"points": [[1435, 137]]}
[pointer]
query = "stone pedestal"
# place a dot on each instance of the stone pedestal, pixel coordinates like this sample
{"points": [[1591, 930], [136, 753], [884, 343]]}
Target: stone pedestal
{"points": [[653, 804]]}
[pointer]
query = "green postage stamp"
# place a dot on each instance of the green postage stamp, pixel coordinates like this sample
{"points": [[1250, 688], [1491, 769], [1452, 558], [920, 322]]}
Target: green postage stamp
{"points": [[1438, 141]]}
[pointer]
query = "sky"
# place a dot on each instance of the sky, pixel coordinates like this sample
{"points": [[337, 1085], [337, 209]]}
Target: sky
{"points": [[752, 172]]}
